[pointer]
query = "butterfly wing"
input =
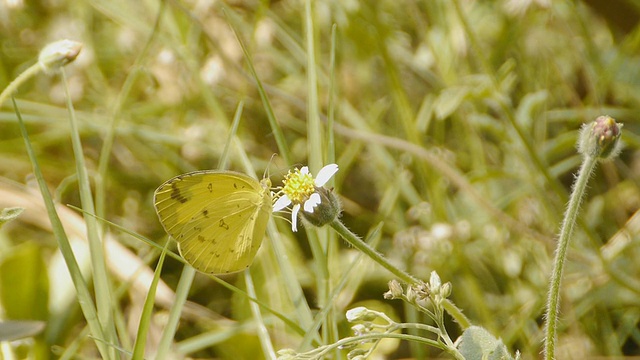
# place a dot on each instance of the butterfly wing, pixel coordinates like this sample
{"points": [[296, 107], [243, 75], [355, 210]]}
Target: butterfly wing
{"points": [[218, 218]]}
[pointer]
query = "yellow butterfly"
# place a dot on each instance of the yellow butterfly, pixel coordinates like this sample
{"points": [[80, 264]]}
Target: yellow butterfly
{"points": [[218, 218]]}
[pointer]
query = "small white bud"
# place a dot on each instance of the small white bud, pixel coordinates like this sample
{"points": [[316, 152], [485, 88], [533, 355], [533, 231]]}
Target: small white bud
{"points": [[58, 54], [434, 282], [358, 313]]}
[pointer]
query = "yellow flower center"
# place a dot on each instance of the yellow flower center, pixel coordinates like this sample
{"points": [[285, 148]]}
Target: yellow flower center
{"points": [[298, 186]]}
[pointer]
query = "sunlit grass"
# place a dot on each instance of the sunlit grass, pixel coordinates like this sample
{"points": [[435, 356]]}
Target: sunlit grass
{"points": [[454, 125]]}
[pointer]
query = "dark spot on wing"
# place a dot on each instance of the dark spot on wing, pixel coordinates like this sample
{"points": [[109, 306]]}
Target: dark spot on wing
{"points": [[177, 195], [210, 187], [223, 224], [205, 213], [235, 186]]}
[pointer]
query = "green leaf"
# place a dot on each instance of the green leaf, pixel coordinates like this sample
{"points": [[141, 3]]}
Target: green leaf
{"points": [[449, 100], [24, 284], [476, 343]]}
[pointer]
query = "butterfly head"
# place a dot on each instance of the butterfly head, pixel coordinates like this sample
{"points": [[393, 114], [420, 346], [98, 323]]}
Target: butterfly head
{"points": [[265, 183]]}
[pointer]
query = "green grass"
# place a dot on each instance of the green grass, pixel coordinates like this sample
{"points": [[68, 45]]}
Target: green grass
{"points": [[454, 124]]}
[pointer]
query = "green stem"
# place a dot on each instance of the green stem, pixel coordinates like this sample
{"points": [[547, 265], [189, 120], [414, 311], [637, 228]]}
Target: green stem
{"points": [[315, 354], [456, 314], [357, 243], [21, 79], [553, 301], [262, 332]]}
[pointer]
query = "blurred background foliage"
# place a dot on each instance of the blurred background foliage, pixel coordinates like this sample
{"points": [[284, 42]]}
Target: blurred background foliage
{"points": [[456, 126]]}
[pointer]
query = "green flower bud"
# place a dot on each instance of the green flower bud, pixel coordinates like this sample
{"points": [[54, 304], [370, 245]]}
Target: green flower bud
{"points": [[445, 290], [601, 138], [326, 211]]}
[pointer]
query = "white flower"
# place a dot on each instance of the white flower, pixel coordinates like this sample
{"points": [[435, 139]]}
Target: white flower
{"points": [[299, 188]]}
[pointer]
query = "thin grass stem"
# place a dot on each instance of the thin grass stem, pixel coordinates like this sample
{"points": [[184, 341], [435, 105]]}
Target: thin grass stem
{"points": [[96, 248], [84, 295], [182, 292], [147, 309]]}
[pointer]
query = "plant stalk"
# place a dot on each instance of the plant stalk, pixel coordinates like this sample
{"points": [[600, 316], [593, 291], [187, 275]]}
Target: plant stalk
{"points": [[357, 243], [553, 300]]}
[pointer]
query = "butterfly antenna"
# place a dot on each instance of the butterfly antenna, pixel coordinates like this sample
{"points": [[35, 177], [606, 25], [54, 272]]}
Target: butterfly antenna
{"points": [[267, 173]]}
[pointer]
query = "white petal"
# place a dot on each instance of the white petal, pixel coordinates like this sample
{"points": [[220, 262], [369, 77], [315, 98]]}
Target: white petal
{"points": [[294, 217], [325, 174], [304, 170], [282, 202], [313, 201]]}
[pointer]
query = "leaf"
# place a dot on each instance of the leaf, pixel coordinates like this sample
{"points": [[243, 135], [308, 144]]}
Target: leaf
{"points": [[476, 343], [449, 100], [24, 285]]}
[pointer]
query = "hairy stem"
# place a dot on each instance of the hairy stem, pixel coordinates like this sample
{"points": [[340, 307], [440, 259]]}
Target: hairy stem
{"points": [[553, 300]]}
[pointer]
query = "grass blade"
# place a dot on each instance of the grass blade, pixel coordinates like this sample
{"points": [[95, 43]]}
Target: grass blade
{"points": [[84, 296], [100, 275], [145, 318]]}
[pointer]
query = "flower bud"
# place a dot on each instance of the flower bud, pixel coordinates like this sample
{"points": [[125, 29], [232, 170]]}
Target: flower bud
{"points": [[326, 210], [601, 138], [360, 313], [434, 282], [422, 290], [395, 290], [359, 329], [411, 294], [445, 290], [58, 54]]}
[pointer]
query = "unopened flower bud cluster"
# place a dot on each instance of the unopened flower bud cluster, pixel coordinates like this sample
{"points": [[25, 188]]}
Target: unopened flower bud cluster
{"points": [[601, 138], [420, 293]]}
